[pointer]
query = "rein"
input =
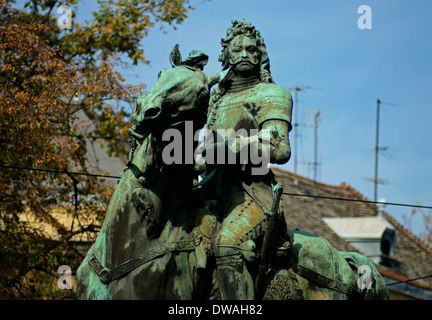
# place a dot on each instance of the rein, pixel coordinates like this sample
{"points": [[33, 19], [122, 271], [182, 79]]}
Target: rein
{"points": [[106, 275]]}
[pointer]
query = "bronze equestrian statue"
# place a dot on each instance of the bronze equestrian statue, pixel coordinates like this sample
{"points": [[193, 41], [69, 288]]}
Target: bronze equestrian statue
{"points": [[214, 228]]}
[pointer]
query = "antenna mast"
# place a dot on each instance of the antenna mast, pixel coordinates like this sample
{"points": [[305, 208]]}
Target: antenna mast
{"points": [[315, 163], [377, 147], [296, 89]]}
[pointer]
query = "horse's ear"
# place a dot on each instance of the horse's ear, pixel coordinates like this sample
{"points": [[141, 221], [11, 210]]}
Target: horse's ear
{"points": [[219, 77], [175, 56]]}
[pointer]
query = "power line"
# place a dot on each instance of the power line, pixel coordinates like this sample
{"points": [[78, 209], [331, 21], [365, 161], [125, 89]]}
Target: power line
{"points": [[409, 280], [357, 200], [285, 193], [63, 172]]}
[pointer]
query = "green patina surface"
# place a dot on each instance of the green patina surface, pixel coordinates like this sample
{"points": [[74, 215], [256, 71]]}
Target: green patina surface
{"points": [[164, 239]]}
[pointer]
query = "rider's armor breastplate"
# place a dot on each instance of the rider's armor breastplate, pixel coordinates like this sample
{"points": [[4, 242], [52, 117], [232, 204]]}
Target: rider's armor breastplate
{"points": [[248, 109]]}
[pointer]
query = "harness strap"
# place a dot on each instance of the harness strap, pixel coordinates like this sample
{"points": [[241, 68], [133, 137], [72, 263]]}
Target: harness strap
{"points": [[137, 173], [327, 282], [107, 275]]}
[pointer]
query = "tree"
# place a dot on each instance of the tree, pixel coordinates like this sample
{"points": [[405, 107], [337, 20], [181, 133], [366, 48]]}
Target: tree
{"points": [[426, 217], [43, 69]]}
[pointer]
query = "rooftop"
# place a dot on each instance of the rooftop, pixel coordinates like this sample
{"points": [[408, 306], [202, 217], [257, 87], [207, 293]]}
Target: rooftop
{"points": [[310, 206]]}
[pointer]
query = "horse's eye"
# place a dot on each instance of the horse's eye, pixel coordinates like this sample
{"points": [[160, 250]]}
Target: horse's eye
{"points": [[168, 102]]}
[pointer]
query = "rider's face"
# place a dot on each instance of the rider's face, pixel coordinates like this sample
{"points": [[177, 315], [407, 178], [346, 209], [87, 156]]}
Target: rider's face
{"points": [[243, 54]]}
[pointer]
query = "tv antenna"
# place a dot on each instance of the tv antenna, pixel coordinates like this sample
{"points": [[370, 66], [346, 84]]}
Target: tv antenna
{"points": [[315, 163], [296, 124], [375, 180]]}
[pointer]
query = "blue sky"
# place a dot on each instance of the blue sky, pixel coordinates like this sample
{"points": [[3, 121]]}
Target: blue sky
{"points": [[319, 44]]}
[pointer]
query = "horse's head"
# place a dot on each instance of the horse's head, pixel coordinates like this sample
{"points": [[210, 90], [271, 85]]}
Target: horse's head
{"points": [[181, 93]]}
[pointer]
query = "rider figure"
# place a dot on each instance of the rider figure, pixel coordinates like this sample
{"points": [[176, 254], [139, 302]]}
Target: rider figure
{"points": [[246, 99]]}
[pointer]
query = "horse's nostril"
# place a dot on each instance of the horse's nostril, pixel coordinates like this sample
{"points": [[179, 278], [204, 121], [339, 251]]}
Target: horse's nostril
{"points": [[149, 112]]}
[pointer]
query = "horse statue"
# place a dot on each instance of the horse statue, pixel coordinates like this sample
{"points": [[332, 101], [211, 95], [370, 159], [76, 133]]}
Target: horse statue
{"points": [[155, 242], [151, 244]]}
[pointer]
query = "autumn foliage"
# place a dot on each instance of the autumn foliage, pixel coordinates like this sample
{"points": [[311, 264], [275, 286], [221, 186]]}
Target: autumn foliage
{"points": [[47, 77]]}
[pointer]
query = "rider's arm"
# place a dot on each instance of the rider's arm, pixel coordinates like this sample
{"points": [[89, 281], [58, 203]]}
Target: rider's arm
{"points": [[271, 139]]}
